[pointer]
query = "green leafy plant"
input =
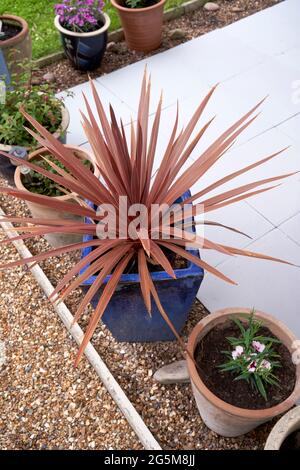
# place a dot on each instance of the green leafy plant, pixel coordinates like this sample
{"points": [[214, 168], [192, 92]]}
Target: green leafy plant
{"points": [[37, 183], [126, 165], [139, 3], [38, 100], [253, 357]]}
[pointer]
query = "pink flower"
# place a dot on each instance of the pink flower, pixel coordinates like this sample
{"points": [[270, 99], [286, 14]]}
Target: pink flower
{"points": [[259, 347], [237, 352], [252, 366], [265, 364]]}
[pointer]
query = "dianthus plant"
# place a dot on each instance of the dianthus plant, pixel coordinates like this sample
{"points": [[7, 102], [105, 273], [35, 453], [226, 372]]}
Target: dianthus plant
{"points": [[79, 15], [253, 357]]}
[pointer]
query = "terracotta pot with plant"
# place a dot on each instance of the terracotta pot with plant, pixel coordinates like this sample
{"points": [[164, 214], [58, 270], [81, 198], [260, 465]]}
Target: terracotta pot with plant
{"points": [[241, 369], [36, 183], [15, 45], [142, 22], [137, 220], [40, 101], [83, 28]]}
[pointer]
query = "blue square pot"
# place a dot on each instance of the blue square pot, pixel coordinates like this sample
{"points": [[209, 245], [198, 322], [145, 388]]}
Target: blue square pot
{"points": [[126, 315]]}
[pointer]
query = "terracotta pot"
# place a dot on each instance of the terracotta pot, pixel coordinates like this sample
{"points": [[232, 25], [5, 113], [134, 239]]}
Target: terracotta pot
{"points": [[7, 169], [289, 423], [56, 239], [18, 48], [142, 26], [84, 50], [221, 417]]}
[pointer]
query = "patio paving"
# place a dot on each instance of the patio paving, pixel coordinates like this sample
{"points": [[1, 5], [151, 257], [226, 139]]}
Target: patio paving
{"points": [[251, 58]]}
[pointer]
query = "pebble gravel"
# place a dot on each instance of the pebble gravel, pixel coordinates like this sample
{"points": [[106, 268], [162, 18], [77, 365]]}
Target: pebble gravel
{"points": [[45, 403]]}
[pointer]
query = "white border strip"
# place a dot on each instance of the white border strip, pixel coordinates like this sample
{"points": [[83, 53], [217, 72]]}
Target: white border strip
{"points": [[111, 385]]}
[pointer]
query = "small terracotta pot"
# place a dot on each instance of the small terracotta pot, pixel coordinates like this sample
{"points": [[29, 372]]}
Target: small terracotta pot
{"points": [[18, 48], [289, 423], [37, 210], [7, 169], [142, 26], [221, 417]]}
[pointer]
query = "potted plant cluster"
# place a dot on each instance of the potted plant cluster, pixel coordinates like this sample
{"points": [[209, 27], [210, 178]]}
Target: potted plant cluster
{"points": [[142, 22], [83, 27], [15, 45], [122, 241], [40, 101], [241, 370], [36, 183]]}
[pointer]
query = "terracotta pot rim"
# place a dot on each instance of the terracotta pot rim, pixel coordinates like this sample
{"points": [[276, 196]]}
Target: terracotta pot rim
{"points": [[136, 10], [21, 35], [265, 413], [65, 121], [83, 35], [18, 180]]}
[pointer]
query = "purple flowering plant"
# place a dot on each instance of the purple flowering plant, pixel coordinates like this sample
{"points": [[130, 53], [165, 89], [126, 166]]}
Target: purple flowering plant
{"points": [[80, 15], [252, 357]]}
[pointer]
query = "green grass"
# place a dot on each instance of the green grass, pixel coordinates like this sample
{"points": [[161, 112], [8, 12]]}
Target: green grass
{"points": [[40, 17]]}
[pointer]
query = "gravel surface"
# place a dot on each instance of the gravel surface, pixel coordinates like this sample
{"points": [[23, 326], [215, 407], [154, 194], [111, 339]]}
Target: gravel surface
{"points": [[46, 403], [189, 26]]}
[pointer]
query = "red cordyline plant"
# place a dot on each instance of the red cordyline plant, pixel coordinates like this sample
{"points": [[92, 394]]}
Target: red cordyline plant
{"points": [[127, 170]]}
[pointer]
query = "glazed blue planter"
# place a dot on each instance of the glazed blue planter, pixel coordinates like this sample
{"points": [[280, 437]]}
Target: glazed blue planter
{"points": [[126, 315], [85, 50]]}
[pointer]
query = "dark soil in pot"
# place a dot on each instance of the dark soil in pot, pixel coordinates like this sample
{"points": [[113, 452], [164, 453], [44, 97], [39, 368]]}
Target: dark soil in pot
{"points": [[209, 356], [39, 184], [176, 261], [144, 4], [95, 27], [10, 30], [292, 442]]}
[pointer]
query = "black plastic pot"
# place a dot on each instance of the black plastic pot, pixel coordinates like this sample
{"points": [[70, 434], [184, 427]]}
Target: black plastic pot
{"points": [[84, 50]]}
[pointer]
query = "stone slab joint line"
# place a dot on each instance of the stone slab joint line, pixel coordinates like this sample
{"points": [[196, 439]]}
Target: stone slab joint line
{"points": [[124, 404]]}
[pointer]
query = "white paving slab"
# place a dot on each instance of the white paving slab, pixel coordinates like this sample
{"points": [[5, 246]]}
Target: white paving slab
{"points": [[292, 228], [215, 57], [239, 157], [279, 204], [173, 74], [75, 103], [239, 216], [265, 285], [235, 97], [238, 95], [291, 127], [270, 31], [290, 58]]}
